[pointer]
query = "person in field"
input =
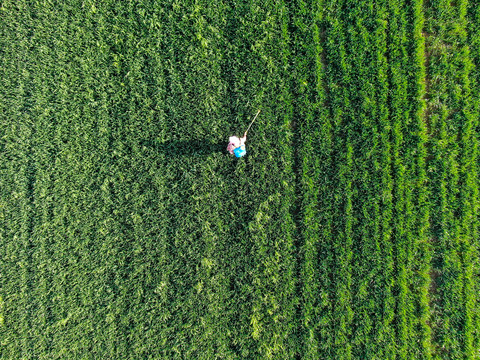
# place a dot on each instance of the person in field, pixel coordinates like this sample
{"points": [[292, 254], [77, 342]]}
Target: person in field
{"points": [[236, 145]]}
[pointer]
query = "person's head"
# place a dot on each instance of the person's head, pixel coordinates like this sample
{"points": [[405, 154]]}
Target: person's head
{"points": [[234, 140]]}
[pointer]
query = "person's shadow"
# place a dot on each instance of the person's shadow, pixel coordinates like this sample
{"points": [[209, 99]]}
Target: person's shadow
{"points": [[177, 148]]}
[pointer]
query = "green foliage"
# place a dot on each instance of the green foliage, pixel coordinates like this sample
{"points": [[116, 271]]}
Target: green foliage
{"points": [[453, 118], [349, 231]]}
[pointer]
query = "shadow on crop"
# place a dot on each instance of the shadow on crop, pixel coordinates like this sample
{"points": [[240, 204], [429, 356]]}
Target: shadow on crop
{"points": [[180, 148]]}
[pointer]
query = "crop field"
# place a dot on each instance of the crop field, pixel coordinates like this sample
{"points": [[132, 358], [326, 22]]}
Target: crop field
{"points": [[350, 230]]}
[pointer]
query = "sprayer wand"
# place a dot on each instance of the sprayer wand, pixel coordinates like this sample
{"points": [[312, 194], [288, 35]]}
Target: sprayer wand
{"points": [[251, 123]]}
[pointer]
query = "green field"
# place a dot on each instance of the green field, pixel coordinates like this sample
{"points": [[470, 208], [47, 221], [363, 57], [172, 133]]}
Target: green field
{"points": [[350, 230]]}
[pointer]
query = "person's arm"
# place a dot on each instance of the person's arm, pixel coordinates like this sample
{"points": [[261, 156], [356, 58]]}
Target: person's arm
{"points": [[243, 139]]}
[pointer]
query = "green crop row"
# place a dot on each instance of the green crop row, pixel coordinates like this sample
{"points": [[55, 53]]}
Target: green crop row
{"points": [[473, 17], [417, 131], [339, 332]]}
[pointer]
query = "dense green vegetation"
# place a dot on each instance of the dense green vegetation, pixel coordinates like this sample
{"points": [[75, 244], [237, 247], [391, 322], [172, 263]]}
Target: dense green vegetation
{"points": [[453, 121], [349, 231]]}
